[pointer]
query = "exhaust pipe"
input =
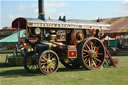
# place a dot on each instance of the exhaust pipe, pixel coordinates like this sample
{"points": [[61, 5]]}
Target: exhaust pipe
{"points": [[41, 9]]}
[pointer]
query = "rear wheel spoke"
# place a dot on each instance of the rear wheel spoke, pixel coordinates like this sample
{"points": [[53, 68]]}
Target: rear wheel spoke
{"points": [[97, 59], [89, 62], [88, 47], [85, 60], [85, 56], [93, 63], [85, 51]]}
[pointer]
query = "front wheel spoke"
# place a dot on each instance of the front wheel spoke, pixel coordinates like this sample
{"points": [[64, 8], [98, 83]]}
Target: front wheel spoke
{"points": [[49, 56], [52, 67], [43, 63], [53, 59], [43, 67], [45, 58], [42, 60], [47, 70], [53, 64]]}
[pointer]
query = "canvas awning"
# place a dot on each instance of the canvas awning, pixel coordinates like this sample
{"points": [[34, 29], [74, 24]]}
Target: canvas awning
{"points": [[12, 39], [119, 25]]}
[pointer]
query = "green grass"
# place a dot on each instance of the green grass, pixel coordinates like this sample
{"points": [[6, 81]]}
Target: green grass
{"points": [[106, 76]]}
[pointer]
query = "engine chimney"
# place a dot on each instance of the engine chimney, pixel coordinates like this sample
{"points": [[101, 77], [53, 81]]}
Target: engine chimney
{"points": [[41, 9]]}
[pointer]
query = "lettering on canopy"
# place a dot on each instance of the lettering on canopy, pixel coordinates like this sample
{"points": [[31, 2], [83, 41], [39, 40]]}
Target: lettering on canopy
{"points": [[50, 25]]}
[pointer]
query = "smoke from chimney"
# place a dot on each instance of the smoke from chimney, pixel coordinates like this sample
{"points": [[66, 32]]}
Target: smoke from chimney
{"points": [[41, 9]]}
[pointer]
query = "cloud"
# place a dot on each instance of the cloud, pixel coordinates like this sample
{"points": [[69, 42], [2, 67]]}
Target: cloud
{"points": [[56, 4], [51, 8], [125, 1], [61, 14], [21, 6], [8, 17], [56, 8], [125, 6], [11, 16]]}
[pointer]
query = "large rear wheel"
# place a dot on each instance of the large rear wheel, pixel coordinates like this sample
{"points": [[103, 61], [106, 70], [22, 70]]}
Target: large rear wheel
{"points": [[91, 53]]}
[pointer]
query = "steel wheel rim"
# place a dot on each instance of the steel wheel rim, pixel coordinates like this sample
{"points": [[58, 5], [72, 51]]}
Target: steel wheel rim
{"points": [[93, 54], [48, 63]]}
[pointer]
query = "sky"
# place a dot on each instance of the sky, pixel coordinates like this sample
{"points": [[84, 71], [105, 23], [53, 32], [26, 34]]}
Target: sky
{"points": [[72, 9]]}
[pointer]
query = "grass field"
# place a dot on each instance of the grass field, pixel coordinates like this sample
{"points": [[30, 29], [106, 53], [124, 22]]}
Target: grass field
{"points": [[105, 76]]}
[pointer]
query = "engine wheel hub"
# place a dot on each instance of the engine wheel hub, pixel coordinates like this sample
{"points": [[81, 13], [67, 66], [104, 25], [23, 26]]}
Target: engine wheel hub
{"points": [[92, 53]]}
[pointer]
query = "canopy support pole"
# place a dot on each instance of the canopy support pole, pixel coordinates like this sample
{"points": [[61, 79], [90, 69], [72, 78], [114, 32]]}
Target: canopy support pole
{"points": [[18, 31]]}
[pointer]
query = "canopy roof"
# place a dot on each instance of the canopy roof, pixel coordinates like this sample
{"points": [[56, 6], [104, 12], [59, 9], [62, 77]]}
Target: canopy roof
{"points": [[68, 24], [12, 39], [118, 24]]}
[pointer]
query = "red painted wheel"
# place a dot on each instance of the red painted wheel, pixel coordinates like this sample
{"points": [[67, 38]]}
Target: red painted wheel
{"points": [[91, 53], [48, 62]]}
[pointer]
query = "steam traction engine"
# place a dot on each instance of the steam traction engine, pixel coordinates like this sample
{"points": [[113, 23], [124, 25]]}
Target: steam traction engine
{"points": [[73, 42]]}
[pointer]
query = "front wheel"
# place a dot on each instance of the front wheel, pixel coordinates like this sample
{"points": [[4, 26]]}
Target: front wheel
{"points": [[48, 62]]}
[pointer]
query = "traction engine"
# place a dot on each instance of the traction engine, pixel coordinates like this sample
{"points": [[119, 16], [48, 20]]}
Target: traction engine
{"points": [[75, 43]]}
